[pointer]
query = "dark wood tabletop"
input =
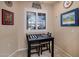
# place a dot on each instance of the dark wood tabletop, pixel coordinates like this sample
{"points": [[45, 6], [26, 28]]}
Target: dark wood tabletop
{"points": [[41, 38]]}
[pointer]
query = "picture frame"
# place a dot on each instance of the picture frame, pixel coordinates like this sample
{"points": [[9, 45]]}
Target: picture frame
{"points": [[70, 18], [7, 17]]}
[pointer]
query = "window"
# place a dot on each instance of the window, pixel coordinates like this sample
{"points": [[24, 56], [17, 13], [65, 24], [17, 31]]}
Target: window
{"points": [[36, 21], [41, 23], [31, 19]]}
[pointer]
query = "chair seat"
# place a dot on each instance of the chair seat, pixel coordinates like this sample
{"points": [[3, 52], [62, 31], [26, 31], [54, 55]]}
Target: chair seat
{"points": [[35, 45], [44, 43]]}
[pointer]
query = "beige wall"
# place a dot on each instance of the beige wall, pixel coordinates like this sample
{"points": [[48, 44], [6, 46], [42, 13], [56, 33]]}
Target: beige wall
{"points": [[66, 38], [8, 33], [12, 37], [21, 23]]}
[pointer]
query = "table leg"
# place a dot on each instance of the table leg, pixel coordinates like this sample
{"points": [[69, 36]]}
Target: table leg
{"points": [[52, 54], [49, 46], [29, 50]]}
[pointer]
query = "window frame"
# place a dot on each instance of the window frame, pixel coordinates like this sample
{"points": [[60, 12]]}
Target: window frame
{"points": [[37, 11]]}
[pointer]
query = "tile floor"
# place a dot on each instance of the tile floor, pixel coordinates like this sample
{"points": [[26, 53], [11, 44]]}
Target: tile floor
{"points": [[57, 53]]}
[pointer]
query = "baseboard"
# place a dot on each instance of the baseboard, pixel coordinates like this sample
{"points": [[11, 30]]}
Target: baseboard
{"points": [[22, 49], [17, 51], [66, 53], [54, 45]]}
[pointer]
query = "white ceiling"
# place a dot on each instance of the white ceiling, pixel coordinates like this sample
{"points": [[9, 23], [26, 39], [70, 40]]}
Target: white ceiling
{"points": [[45, 2], [48, 2]]}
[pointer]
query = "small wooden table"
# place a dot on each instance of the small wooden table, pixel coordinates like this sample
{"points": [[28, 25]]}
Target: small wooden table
{"points": [[41, 39]]}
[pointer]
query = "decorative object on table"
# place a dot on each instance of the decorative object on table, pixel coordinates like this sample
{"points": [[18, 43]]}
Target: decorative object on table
{"points": [[49, 34], [36, 4], [67, 4], [8, 3], [7, 17], [70, 18]]}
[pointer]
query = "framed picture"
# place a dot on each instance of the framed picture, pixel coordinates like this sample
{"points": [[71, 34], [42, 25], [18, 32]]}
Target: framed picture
{"points": [[70, 18], [7, 17]]}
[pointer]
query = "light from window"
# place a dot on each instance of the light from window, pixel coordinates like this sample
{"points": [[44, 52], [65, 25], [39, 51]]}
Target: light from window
{"points": [[41, 21], [31, 19], [36, 20]]}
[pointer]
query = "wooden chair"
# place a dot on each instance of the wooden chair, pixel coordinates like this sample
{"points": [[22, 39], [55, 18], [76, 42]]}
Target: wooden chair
{"points": [[35, 47], [45, 46]]}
